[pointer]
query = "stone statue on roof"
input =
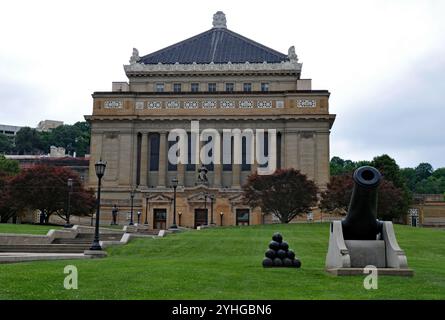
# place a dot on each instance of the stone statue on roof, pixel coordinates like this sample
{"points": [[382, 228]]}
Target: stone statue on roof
{"points": [[219, 20], [135, 56], [292, 55], [202, 176]]}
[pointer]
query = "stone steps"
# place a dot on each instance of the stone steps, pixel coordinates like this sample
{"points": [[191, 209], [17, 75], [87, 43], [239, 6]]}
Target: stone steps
{"points": [[46, 248]]}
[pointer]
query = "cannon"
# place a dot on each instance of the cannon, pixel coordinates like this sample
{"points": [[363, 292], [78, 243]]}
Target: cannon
{"points": [[360, 240], [361, 221]]}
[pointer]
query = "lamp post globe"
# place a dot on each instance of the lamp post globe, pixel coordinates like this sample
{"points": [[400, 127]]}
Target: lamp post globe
{"points": [[100, 171], [175, 185]]}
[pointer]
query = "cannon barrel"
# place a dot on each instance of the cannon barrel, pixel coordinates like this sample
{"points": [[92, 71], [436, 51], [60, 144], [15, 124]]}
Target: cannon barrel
{"points": [[361, 221]]}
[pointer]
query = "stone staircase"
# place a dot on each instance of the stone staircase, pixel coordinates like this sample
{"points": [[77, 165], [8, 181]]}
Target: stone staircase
{"points": [[78, 244]]}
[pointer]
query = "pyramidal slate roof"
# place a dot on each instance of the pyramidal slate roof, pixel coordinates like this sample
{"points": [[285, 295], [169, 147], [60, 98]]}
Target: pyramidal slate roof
{"points": [[217, 45]]}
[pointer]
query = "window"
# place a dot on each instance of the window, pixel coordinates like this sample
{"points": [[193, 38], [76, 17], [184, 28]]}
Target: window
{"points": [[189, 166], [210, 166], [171, 166], [176, 87], [247, 87], [212, 87], [195, 87], [265, 149], [154, 152], [264, 87], [242, 217], [228, 166], [230, 87], [159, 87], [245, 166]]}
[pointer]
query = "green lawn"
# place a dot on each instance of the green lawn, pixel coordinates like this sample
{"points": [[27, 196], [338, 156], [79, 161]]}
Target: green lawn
{"points": [[26, 228], [225, 263]]}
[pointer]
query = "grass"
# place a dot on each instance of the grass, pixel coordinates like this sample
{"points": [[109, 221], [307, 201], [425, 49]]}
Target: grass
{"points": [[26, 228], [225, 263]]}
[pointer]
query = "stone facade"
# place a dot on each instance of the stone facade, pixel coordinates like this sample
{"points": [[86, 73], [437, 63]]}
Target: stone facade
{"points": [[130, 126]]}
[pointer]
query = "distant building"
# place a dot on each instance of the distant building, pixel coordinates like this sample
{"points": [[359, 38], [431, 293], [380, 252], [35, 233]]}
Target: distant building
{"points": [[48, 125], [78, 164], [428, 211], [8, 130]]}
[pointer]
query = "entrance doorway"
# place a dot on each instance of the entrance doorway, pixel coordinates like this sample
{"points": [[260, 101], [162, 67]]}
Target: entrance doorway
{"points": [[159, 219], [242, 217], [200, 217]]}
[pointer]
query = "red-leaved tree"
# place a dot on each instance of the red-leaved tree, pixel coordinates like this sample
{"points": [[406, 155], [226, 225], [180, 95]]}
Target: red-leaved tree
{"points": [[45, 188], [286, 193], [390, 203]]}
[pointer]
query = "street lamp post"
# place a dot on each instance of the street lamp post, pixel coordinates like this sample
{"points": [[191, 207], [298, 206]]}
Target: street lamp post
{"points": [[211, 209], [100, 170], [175, 185], [146, 211], [131, 210], [70, 189], [221, 214]]}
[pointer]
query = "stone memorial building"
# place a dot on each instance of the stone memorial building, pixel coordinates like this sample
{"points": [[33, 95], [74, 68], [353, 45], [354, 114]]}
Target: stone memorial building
{"points": [[222, 81]]}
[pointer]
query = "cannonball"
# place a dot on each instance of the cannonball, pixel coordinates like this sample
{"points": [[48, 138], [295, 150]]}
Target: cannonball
{"points": [[291, 254], [277, 237], [287, 262], [277, 262], [271, 254], [284, 246], [296, 263], [274, 245], [281, 254], [267, 263]]}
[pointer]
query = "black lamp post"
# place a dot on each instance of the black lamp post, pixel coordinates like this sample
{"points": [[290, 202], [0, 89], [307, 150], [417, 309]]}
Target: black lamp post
{"points": [[146, 211], [70, 189], [221, 214], [212, 197], [100, 170], [132, 192], [175, 185]]}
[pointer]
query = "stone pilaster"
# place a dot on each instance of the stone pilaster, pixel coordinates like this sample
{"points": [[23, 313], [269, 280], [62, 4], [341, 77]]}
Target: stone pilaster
{"points": [[144, 159], [162, 173], [217, 167]]}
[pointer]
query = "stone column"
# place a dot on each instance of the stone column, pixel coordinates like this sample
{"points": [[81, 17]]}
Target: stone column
{"points": [[162, 170], [236, 168], [254, 165], [144, 159], [217, 168]]}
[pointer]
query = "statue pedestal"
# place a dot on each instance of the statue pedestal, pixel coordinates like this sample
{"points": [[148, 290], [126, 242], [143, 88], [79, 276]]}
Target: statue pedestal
{"points": [[349, 257]]}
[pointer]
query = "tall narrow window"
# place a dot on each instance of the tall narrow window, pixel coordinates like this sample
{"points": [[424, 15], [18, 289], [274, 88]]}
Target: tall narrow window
{"points": [[230, 87], [195, 87], [138, 162], [212, 87], [228, 166], [279, 150], [266, 149], [159, 87], [171, 166], [247, 87], [245, 166], [210, 165], [154, 152], [190, 166], [264, 87], [176, 87]]}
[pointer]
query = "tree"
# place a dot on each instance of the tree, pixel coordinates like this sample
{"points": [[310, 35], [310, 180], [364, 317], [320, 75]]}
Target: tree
{"points": [[423, 171], [431, 185], [8, 166], [391, 202], [45, 188], [389, 169], [409, 176], [74, 138], [27, 140], [6, 145], [338, 166], [285, 193], [8, 208]]}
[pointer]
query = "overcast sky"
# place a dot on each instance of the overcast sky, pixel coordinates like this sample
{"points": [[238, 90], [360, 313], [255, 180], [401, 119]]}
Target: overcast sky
{"points": [[382, 61]]}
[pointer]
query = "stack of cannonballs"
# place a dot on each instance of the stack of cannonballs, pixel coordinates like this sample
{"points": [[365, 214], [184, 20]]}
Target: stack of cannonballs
{"points": [[279, 254]]}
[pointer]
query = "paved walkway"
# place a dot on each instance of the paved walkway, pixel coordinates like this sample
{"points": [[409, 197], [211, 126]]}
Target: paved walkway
{"points": [[11, 257]]}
